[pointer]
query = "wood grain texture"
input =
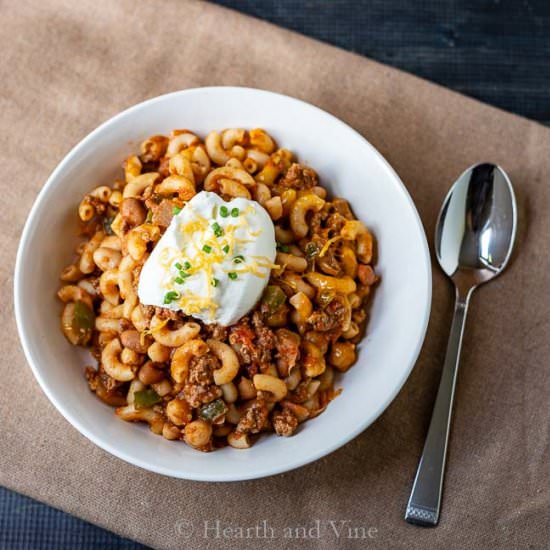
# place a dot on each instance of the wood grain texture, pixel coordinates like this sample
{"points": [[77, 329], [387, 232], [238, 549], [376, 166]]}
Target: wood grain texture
{"points": [[497, 51], [28, 524]]}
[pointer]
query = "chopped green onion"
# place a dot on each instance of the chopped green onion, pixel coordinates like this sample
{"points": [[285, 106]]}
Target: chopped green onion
{"points": [[184, 274], [226, 248], [176, 210], [169, 297], [178, 266], [144, 399], [214, 281], [218, 231], [179, 280], [238, 259], [224, 212], [283, 248], [232, 275], [186, 265], [234, 212], [207, 248]]}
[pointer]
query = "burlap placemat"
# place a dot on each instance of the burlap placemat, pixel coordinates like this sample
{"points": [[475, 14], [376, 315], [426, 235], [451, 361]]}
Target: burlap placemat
{"points": [[67, 66]]}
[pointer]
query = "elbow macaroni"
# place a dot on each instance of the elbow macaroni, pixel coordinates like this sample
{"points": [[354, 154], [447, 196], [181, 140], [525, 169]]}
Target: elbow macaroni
{"points": [[230, 363], [299, 211]]}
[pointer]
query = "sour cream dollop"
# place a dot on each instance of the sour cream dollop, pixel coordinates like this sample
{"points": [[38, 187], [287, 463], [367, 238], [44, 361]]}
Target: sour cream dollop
{"points": [[214, 260]]}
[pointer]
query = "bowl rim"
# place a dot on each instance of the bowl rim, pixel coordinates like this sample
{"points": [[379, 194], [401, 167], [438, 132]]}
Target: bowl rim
{"points": [[136, 460]]}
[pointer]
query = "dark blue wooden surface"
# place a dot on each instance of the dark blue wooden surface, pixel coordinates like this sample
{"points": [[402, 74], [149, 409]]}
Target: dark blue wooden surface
{"points": [[494, 50]]}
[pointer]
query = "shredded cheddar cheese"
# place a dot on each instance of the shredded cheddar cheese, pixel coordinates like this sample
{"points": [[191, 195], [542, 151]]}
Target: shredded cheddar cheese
{"points": [[150, 331], [193, 303], [326, 246]]}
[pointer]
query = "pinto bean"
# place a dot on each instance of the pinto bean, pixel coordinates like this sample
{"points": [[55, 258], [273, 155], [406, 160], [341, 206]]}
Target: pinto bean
{"points": [[148, 374], [133, 211], [132, 339]]}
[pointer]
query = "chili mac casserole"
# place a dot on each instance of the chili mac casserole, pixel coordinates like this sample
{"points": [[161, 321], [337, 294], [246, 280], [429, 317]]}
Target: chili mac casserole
{"points": [[219, 288]]}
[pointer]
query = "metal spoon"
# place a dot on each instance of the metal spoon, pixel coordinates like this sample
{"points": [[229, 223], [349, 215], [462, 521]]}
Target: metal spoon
{"points": [[474, 238]]}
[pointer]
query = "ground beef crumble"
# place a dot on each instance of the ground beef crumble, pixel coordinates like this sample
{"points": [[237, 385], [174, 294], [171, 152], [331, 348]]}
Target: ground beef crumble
{"points": [[241, 339], [255, 417], [265, 338], [201, 369], [98, 205], [108, 383], [330, 317], [254, 344], [91, 378], [284, 422], [197, 395], [200, 388], [215, 331], [299, 177]]}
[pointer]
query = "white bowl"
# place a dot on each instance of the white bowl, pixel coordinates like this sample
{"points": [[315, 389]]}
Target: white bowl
{"points": [[348, 165]]}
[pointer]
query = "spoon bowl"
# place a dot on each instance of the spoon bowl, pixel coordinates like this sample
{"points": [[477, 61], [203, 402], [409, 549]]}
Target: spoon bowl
{"points": [[476, 227], [474, 238]]}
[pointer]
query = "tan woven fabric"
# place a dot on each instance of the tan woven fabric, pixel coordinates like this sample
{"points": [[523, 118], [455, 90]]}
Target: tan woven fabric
{"points": [[67, 66]]}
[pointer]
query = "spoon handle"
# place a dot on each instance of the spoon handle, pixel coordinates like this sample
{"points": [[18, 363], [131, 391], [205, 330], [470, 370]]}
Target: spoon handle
{"points": [[425, 499]]}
